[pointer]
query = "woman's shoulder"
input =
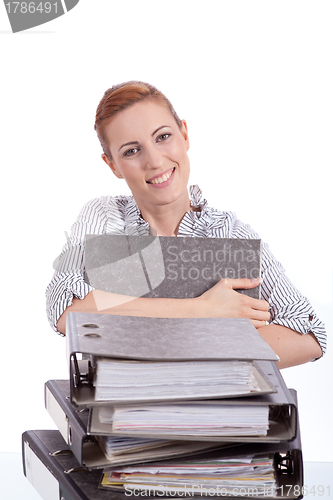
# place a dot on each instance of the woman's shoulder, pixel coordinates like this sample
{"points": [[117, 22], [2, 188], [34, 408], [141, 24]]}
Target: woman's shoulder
{"points": [[227, 224], [111, 214], [219, 223], [108, 204]]}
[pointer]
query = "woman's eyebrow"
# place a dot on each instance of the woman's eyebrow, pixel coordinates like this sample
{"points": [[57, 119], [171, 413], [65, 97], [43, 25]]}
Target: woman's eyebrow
{"points": [[159, 128], [136, 142], [128, 144]]}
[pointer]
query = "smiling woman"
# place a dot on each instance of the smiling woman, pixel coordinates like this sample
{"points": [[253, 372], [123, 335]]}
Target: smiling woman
{"points": [[148, 148], [145, 143]]}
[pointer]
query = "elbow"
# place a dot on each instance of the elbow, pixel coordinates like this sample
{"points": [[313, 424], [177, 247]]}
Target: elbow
{"points": [[315, 349], [61, 324]]}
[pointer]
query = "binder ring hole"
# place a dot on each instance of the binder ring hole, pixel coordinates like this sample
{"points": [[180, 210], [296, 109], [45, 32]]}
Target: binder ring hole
{"points": [[93, 335], [70, 435], [90, 325]]}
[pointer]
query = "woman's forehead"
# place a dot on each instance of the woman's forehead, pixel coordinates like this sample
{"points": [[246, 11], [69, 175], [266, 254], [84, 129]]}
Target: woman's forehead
{"points": [[143, 116]]}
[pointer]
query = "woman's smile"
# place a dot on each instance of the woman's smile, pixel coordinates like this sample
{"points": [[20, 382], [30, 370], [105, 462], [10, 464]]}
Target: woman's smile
{"points": [[162, 180]]}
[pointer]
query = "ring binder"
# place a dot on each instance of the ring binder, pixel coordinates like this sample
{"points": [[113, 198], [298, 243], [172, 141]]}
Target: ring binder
{"points": [[84, 484], [77, 436], [83, 426], [67, 462], [160, 339], [163, 266]]}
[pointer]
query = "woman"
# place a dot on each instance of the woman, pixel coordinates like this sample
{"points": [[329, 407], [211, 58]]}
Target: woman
{"points": [[145, 143]]}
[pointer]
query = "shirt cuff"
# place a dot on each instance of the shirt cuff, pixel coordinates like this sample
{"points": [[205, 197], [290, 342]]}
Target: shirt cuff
{"points": [[60, 295], [304, 323]]}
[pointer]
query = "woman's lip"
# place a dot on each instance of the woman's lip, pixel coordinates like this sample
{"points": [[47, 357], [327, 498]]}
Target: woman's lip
{"points": [[159, 176]]}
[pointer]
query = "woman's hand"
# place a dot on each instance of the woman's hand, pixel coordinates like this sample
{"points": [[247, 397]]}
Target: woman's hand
{"points": [[222, 300]]}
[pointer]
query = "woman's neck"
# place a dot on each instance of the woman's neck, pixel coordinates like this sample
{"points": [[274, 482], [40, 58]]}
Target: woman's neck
{"points": [[165, 219]]}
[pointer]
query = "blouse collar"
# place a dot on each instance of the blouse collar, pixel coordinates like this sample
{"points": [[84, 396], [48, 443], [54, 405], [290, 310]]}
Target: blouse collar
{"points": [[189, 226]]}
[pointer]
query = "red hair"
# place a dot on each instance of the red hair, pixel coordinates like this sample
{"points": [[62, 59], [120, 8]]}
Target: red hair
{"points": [[122, 96]]}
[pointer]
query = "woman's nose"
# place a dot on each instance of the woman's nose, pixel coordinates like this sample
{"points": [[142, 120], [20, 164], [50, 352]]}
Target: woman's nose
{"points": [[154, 157]]}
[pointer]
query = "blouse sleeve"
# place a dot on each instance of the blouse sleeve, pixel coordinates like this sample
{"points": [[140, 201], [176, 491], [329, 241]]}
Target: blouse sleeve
{"points": [[68, 279], [288, 307]]}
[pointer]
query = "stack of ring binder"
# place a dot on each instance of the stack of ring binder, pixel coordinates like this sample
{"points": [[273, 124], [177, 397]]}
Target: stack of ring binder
{"points": [[153, 460]]}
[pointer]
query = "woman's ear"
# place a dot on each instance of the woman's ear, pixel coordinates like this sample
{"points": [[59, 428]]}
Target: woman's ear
{"points": [[113, 167], [184, 133]]}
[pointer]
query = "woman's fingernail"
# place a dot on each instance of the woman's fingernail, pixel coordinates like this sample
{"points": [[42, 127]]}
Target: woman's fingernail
{"points": [[257, 280]]}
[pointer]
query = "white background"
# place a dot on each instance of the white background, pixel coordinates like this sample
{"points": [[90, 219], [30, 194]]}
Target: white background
{"points": [[254, 80]]}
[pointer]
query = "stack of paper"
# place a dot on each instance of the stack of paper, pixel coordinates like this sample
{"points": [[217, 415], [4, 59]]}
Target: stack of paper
{"points": [[204, 380], [163, 388], [119, 380], [138, 359], [202, 420], [121, 449], [247, 476]]}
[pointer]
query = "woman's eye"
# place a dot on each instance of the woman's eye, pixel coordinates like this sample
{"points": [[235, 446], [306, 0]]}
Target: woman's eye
{"points": [[131, 152], [163, 137]]}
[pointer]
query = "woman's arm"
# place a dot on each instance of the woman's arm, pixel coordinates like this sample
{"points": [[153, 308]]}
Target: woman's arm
{"points": [[292, 347], [303, 337], [221, 300]]}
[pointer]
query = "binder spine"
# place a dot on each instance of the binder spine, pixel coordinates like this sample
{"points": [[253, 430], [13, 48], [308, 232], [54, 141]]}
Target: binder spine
{"points": [[66, 418], [45, 473], [291, 412]]}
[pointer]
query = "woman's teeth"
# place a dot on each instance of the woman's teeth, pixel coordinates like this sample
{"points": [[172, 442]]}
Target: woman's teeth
{"points": [[164, 178]]}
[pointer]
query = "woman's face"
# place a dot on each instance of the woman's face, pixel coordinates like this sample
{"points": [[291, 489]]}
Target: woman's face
{"points": [[149, 151]]}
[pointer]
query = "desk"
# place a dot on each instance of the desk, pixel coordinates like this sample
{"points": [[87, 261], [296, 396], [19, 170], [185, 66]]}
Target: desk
{"points": [[15, 486]]}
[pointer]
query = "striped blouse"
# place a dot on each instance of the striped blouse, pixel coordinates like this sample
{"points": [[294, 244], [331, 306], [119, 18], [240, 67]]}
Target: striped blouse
{"points": [[121, 215]]}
